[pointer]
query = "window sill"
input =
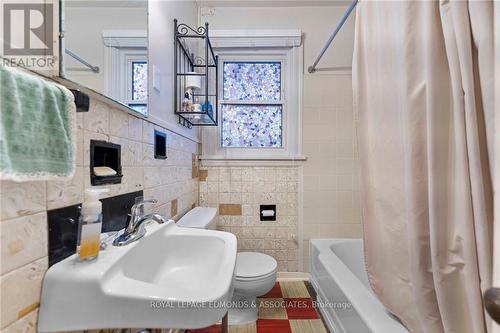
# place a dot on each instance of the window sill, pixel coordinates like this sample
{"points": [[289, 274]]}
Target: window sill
{"points": [[250, 161]]}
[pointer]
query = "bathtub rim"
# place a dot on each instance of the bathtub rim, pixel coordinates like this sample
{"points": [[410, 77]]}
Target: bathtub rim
{"points": [[373, 313]]}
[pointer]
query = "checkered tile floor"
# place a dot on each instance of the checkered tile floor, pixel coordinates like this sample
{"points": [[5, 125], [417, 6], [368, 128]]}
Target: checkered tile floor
{"points": [[287, 308]]}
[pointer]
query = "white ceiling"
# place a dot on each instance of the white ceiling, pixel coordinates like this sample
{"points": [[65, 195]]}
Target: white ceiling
{"points": [[106, 3], [272, 3], [211, 3]]}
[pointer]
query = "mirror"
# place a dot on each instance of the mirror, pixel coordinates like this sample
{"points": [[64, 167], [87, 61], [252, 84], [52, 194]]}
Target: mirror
{"points": [[105, 48]]}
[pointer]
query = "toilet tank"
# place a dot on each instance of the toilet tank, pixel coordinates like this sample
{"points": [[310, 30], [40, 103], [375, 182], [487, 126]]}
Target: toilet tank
{"points": [[199, 217]]}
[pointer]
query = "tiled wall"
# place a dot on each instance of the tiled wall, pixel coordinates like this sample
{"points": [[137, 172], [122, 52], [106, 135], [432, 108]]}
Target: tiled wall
{"points": [[239, 191], [329, 181], [331, 193], [23, 217]]}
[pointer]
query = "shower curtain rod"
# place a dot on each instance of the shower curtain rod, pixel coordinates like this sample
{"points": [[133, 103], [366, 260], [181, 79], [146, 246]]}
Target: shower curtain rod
{"points": [[353, 4]]}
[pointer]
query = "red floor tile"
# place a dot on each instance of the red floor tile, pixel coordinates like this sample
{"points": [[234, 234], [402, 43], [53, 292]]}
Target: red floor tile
{"points": [[273, 326], [274, 293], [300, 308], [211, 329]]}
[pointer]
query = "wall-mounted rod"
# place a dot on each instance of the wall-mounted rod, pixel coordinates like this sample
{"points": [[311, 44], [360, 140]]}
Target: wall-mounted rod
{"points": [[353, 4], [75, 56]]}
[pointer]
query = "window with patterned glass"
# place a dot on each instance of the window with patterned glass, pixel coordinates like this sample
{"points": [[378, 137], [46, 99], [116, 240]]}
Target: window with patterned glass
{"points": [[139, 80], [252, 104], [138, 91]]}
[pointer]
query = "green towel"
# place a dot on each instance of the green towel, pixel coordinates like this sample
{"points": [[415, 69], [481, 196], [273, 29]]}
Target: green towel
{"points": [[37, 128]]}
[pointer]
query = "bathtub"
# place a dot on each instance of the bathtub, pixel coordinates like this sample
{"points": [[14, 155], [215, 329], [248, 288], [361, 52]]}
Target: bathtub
{"points": [[344, 296]]}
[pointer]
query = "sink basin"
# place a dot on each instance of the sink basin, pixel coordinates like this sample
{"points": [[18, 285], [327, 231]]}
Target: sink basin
{"points": [[171, 278]]}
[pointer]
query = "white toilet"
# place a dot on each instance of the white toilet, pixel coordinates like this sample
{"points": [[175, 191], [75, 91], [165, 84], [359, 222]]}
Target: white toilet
{"points": [[255, 273], [199, 217]]}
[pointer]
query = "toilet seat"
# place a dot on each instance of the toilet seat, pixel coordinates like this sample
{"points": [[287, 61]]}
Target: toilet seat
{"points": [[243, 279], [254, 266]]}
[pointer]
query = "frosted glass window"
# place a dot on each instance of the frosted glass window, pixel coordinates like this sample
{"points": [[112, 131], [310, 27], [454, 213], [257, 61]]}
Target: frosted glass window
{"points": [[139, 81], [252, 81], [252, 108], [251, 126]]}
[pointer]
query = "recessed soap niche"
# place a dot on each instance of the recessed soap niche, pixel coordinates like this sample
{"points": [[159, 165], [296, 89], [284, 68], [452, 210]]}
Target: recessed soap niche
{"points": [[160, 145], [105, 163]]}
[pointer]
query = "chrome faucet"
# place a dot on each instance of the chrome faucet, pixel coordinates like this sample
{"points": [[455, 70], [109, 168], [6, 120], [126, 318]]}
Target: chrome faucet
{"points": [[136, 228]]}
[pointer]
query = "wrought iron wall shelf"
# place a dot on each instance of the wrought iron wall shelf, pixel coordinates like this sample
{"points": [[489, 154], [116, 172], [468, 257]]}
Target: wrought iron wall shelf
{"points": [[196, 76]]}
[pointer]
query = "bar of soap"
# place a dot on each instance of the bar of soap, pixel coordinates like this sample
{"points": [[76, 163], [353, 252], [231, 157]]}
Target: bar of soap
{"points": [[103, 171]]}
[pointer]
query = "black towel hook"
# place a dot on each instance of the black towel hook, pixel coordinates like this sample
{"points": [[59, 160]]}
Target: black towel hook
{"points": [[82, 100]]}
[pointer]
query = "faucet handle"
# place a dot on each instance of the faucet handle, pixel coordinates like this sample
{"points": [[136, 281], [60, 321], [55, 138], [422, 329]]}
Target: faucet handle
{"points": [[142, 203], [136, 212]]}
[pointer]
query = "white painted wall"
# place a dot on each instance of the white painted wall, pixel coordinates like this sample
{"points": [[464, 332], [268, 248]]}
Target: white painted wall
{"points": [[49, 62], [85, 39], [330, 199], [317, 24], [161, 46], [83, 36]]}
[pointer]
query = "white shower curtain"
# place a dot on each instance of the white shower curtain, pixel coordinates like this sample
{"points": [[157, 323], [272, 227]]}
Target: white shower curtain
{"points": [[423, 93]]}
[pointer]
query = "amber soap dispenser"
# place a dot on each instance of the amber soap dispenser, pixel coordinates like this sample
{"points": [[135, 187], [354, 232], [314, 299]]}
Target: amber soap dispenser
{"points": [[90, 225]]}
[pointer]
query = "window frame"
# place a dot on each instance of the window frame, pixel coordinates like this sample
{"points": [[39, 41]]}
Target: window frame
{"points": [[282, 102], [122, 47], [252, 46], [128, 90], [119, 79]]}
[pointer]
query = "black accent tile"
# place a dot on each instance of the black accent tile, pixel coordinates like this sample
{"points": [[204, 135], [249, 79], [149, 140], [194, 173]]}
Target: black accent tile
{"points": [[160, 145], [63, 223]]}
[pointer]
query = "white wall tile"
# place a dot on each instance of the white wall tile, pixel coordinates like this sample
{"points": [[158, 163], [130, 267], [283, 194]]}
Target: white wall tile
{"points": [[23, 220], [27, 324], [135, 129], [250, 187], [79, 148], [20, 199], [66, 193], [20, 289], [329, 176], [97, 119], [133, 177], [118, 123], [23, 240]]}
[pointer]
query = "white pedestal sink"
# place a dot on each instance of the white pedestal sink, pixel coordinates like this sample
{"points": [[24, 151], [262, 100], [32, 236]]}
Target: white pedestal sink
{"points": [[171, 278]]}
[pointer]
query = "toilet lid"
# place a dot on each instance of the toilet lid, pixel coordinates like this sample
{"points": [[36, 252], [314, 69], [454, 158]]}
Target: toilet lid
{"points": [[254, 264], [198, 217]]}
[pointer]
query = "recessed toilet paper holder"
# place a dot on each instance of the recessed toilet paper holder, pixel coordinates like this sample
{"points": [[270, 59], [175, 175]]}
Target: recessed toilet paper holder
{"points": [[268, 212]]}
